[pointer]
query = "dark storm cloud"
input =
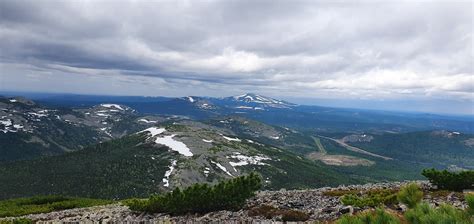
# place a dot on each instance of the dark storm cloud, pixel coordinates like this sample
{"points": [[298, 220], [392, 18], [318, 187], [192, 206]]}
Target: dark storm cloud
{"points": [[368, 49]]}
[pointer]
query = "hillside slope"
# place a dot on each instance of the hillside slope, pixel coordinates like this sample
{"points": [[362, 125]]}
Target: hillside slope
{"points": [[30, 130], [158, 159]]}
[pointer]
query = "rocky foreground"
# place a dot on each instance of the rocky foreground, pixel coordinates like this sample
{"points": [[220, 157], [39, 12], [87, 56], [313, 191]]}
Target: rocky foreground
{"points": [[318, 205]]}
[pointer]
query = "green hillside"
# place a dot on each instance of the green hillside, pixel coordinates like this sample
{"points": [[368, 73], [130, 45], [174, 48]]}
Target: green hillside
{"points": [[430, 149], [133, 166]]}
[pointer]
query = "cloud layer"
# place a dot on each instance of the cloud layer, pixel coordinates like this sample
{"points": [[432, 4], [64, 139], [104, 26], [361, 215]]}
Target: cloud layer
{"points": [[368, 50]]}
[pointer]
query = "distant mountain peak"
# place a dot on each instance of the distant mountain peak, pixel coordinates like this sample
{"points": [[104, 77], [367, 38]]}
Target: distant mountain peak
{"points": [[263, 100]]}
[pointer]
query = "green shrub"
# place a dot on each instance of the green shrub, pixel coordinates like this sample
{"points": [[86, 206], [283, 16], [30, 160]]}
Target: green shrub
{"points": [[454, 181], [378, 217], [371, 198], [202, 198], [470, 203], [424, 213], [410, 195]]}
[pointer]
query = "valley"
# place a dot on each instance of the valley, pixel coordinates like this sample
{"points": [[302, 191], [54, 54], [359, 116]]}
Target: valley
{"points": [[355, 149], [115, 151]]}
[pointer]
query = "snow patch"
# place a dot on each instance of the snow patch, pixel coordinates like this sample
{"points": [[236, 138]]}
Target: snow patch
{"points": [[206, 171], [231, 139], [247, 160], [244, 107], [174, 145], [17, 126], [275, 137], [253, 142], [9, 126], [166, 182], [208, 141], [108, 105], [7, 122], [191, 99], [13, 100], [154, 131], [39, 114], [102, 115], [221, 167], [147, 121]]}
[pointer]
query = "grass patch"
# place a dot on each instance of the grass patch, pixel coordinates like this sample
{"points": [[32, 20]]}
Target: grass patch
{"points": [[17, 221], [42, 204], [371, 198]]}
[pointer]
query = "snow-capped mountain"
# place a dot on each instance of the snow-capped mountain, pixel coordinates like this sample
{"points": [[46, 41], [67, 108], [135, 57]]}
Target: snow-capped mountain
{"points": [[200, 102], [263, 101]]}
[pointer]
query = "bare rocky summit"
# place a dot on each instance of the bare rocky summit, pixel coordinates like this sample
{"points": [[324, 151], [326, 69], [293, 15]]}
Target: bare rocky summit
{"points": [[314, 202]]}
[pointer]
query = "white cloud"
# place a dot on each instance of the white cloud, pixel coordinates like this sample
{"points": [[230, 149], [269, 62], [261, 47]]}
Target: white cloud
{"points": [[310, 48]]}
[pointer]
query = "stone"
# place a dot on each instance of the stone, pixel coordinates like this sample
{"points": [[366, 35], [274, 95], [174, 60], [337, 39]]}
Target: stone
{"points": [[313, 202], [347, 210]]}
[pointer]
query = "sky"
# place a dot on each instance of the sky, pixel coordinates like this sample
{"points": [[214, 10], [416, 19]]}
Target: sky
{"points": [[407, 55]]}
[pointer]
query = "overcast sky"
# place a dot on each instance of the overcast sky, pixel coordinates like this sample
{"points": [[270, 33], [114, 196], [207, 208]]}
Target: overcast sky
{"points": [[389, 51]]}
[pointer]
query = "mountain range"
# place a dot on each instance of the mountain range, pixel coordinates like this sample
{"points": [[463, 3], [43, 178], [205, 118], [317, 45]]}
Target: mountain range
{"points": [[119, 147]]}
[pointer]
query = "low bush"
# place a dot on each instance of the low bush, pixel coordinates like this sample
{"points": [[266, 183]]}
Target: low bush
{"points": [[41, 204], [379, 216], [424, 213], [202, 198], [418, 212], [454, 181], [410, 195], [371, 198]]}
